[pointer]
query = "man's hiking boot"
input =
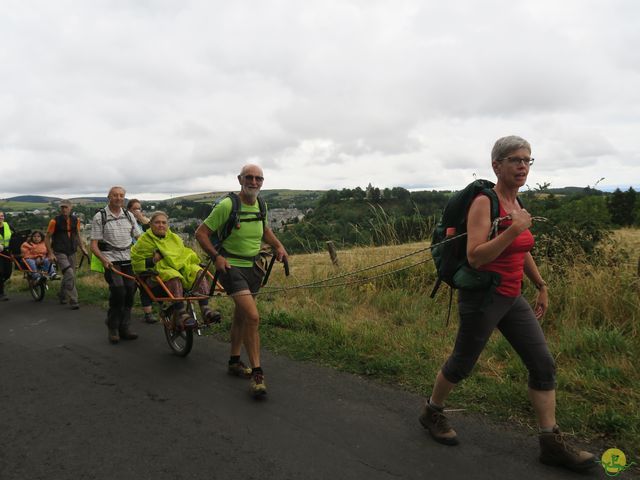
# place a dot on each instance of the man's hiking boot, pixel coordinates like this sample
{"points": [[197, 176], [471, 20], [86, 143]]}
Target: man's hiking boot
{"points": [[436, 422], [113, 335], [239, 369], [554, 450], [257, 387], [126, 334], [150, 318]]}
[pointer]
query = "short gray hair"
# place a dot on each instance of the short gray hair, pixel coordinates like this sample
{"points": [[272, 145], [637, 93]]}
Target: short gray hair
{"points": [[505, 145], [158, 213]]}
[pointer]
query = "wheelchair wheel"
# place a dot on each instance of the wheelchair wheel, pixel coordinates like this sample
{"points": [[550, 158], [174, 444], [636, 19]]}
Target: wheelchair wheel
{"points": [[37, 289], [180, 341]]}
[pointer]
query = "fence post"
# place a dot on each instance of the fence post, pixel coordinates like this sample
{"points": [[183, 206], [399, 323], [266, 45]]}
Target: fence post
{"points": [[332, 252]]}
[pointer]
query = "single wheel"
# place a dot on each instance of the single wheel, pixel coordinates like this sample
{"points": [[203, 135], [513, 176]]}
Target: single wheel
{"points": [[37, 289], [180, 341]]}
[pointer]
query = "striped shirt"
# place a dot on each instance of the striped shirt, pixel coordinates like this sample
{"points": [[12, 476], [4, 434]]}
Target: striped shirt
{"points": [[118, 231]]}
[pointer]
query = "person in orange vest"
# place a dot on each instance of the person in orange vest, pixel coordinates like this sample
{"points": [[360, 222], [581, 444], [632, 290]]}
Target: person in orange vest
{"points": [[63, 239]]}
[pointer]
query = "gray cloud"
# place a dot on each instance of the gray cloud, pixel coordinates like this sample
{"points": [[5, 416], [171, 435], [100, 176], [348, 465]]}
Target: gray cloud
{"points": [[167, 97]]}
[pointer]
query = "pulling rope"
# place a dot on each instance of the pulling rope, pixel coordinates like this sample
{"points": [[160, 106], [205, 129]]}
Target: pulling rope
{"points": [[319, 283]]}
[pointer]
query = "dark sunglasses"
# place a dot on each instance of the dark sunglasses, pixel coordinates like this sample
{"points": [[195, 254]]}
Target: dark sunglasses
{"points": [[251, 178]]}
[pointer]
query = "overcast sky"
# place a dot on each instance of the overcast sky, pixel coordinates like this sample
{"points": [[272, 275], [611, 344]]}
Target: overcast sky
{"points": [[173, 97]]}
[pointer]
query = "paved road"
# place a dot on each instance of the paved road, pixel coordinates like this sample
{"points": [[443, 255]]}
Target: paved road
{"points": [[73, 406]]}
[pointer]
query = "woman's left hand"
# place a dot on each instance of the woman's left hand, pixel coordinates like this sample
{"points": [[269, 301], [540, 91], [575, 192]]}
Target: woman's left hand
{"points": [[542, 303]]}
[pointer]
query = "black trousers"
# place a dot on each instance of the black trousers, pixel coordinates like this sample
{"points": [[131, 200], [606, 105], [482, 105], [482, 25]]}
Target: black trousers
{"points": [[6, 267], [121, 295]]}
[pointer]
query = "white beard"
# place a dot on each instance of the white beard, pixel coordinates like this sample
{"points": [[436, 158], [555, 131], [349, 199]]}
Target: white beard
{"points": [[250, 194]]}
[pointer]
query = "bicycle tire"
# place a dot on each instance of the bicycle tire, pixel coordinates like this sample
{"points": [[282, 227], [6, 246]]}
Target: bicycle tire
{"points": [[180, 341], [37, 290]]}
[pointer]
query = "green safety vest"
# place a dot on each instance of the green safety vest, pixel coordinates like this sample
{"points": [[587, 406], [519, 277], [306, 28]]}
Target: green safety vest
{"points": [[6, 235]]}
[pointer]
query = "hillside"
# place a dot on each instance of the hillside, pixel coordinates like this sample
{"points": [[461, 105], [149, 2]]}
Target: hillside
{"points": [[31, 199]]}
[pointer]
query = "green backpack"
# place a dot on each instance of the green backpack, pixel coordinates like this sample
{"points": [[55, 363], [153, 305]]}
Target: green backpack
{"points": [[449, 242]]}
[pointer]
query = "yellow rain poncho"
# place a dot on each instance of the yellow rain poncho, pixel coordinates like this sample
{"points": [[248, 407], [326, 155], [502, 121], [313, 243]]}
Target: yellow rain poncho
{"points": [[178, 260]]}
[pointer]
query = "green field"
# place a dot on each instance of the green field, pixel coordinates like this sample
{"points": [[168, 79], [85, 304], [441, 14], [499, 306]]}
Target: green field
{"points": [[8, 206]]}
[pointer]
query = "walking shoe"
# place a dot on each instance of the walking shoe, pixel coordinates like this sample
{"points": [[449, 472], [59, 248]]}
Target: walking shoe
{"points": [[126, 334], [113, 336], [554, 450], [62, 300], [75, 306], [53, 276], [438, 425], [257, 387], [149, 318], [211, 316], [3, 298], [239, 369]]}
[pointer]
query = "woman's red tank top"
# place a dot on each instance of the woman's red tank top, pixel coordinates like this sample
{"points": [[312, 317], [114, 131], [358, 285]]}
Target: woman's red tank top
{"points": [[510, 263]]}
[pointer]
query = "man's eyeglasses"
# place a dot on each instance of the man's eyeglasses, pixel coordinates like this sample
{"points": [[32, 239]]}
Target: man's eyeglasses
{"points": [[251, 178], [518, 160]]}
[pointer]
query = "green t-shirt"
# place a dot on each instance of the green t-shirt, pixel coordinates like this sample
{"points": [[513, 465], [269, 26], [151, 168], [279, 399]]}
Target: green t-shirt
{"points": [[244, 241]]}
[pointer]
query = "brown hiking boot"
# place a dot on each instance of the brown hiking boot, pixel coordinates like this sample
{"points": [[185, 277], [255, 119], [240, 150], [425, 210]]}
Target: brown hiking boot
{"points": [[438, 425], [113, 335], [554, 450]]}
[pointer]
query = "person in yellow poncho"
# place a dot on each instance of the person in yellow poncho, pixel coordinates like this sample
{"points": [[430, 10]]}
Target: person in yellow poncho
{"points": [[162, 251]]}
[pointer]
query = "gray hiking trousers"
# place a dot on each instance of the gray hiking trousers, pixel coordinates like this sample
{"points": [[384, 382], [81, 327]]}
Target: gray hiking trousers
{"points": [[516, 321], [67, 267]]}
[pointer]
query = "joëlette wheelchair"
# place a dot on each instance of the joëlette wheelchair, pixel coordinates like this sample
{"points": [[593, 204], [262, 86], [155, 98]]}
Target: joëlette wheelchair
{"points": [[37, 281]]}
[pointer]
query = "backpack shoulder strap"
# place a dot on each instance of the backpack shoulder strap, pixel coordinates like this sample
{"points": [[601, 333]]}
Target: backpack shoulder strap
{"points": [[495, 203], [232, 220], [263, 211], [103, 216]]}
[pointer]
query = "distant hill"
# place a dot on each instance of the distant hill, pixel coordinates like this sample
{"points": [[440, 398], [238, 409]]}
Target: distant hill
{"points": [[32, 199], [574, 191], [84, 200], [45, 199], [277, 198]]}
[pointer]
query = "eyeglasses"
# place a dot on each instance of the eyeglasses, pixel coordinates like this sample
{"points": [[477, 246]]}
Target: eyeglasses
{"points": [[251, 178], [527, 161]]}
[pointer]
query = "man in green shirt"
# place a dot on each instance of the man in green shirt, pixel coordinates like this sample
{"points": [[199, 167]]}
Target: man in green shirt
{"points": [[239, 274]]}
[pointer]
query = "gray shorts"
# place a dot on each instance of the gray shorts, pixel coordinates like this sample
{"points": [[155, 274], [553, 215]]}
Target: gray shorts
{"points": [[238, 279]]}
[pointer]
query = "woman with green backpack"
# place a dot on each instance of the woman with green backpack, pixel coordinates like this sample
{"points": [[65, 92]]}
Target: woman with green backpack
{"points": [[505, 253]]}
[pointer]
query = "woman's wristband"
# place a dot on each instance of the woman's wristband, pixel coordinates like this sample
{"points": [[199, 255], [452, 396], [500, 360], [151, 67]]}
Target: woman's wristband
{"points": [[541, 285]]}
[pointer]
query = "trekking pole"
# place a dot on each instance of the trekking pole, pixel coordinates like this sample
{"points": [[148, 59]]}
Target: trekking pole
{"points": [[268, 272], [82, 260]]}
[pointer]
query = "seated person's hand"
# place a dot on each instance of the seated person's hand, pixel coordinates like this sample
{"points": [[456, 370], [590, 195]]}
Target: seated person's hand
{"points": [[157, 256]]}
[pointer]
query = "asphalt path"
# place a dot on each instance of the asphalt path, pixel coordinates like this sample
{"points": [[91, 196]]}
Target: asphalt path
{"points": [[72, 406]]}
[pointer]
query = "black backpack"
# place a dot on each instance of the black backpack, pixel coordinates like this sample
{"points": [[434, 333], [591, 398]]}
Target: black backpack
{"points": [[236, 217], [16, 241], [449, 242]]}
